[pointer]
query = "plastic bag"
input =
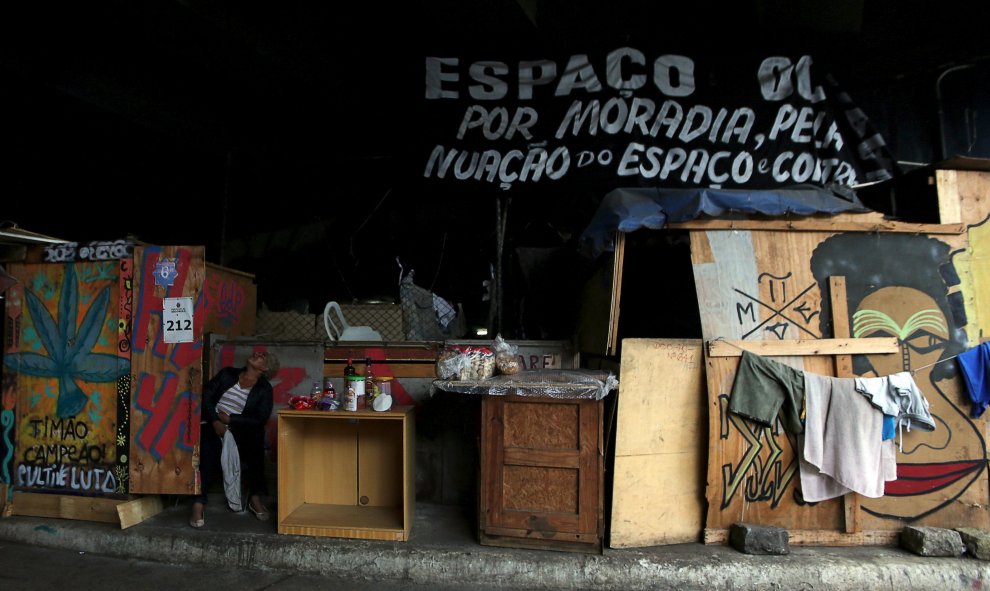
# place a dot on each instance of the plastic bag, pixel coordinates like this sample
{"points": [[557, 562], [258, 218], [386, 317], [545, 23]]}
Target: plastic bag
{"points": [[506, 361], [465, 363]]}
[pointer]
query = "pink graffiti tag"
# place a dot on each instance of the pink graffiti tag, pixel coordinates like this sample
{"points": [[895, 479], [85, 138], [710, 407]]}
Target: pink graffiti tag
{"points": [[225, 299], [167, 412]]}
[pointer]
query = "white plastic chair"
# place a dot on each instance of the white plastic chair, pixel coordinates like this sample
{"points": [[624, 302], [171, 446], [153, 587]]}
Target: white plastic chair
{"points": [[346, 332]]}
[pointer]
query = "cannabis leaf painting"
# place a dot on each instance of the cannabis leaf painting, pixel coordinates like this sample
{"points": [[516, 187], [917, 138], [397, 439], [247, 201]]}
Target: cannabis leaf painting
{"points": [[69, 345]]}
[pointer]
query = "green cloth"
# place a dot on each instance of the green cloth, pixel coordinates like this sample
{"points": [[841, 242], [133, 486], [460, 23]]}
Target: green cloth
{"points": [[763, 388]]}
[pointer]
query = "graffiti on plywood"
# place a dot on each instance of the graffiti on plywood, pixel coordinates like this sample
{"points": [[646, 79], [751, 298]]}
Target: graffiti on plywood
{"points": [[760, 474], [780, 309], [64, 373], [907, 288]]}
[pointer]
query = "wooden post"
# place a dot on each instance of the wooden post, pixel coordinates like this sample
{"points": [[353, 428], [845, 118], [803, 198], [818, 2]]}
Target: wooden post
{"points": [[613, 325], [844, 369]]}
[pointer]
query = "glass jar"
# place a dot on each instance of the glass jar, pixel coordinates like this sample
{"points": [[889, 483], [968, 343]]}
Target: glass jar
{"points": [[354, 392], [383, 400]]}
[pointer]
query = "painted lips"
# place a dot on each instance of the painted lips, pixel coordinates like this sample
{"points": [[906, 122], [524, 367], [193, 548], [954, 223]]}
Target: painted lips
{"points": [[919, 479]]}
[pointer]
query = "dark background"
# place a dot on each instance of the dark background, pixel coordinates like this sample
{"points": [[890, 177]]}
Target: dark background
{"points": [[280, 134]]}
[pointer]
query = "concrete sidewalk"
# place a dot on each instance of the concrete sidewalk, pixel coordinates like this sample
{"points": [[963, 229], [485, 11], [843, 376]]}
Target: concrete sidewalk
{"points": [[443, 550]]}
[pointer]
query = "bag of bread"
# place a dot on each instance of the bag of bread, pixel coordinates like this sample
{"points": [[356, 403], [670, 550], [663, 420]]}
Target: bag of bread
{"points": [[449, 364], [506, 361]]}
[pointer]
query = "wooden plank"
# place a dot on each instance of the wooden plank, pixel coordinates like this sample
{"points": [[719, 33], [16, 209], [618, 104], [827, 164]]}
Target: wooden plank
{"points": [[382, 352], [65, 507], [970, 190], [398, 370], [135, 511], [948, 196], [844, 369], [618, 258], [821, 225], [658, 481], [805, 347], [816, 537], [5, 506], [722, 261], [167, 378], [71, 419], [840, 324], [230, 301], [380, 460]]}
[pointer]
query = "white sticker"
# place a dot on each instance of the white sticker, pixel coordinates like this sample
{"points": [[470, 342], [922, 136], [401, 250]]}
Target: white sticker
{"points": [[177, 320]]}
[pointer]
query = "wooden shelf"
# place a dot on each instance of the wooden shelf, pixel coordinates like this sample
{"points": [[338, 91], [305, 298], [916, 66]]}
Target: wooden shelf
{"points": [[320, 519], [346, 474]]}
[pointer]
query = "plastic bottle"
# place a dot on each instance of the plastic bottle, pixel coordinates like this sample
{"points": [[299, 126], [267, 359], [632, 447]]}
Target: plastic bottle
{"points": [[329, 400]]}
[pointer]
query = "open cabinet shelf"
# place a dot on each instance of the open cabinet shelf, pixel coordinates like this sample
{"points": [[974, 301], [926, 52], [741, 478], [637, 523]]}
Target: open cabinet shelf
{"points": [[346, 474]]}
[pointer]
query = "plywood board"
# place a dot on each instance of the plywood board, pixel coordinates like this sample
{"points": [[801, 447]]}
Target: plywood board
{"points": [[970, 190], [899, 278], [660, 441], [66, 378], [872, 223], [136, 510], [969, 193], [66, 507], [231, 299], [843, 346], [167, 386]]}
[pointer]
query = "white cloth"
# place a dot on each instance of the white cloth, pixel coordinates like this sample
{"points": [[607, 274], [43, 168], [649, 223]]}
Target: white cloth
{"points": [[230, 461], [842, 448], [897, 395]]}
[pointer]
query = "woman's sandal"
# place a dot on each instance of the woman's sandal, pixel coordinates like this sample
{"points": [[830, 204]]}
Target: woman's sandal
{"points": [[262, 515], [198, 523]]}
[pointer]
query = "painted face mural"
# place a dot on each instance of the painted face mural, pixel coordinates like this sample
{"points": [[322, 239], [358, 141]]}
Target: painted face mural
{"points": [[901, 292]]}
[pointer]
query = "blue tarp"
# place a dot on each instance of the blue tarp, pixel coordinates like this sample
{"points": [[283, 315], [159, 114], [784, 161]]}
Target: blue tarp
{"points": [[629, 209]]}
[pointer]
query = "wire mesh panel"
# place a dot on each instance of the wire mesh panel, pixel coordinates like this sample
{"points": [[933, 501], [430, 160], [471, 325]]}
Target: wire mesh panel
{"points": [[290, 326], [385, 318], [295, 326]]}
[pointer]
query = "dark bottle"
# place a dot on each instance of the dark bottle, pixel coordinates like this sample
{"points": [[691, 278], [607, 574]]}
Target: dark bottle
{"points": [[349, 368], [369, 383]]}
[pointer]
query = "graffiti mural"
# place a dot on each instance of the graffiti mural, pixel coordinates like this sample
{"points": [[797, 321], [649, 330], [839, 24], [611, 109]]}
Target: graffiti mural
{"points": [[762, 473], [904, 289], [167, 377], [63, 377], [790, 315], [912, 289]]}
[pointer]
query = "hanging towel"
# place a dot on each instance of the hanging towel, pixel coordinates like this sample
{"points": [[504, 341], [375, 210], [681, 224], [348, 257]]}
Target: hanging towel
{"points": [[975, 367], [230, 461], [842, 450]]}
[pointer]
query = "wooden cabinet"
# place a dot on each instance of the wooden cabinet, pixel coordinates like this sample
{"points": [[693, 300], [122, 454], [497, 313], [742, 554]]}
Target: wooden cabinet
{"points": [[542, 473], [346, 474]]}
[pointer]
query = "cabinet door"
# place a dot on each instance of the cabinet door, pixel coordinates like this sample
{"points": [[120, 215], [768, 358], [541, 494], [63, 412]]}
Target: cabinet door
{"points": [[542, 468]]}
